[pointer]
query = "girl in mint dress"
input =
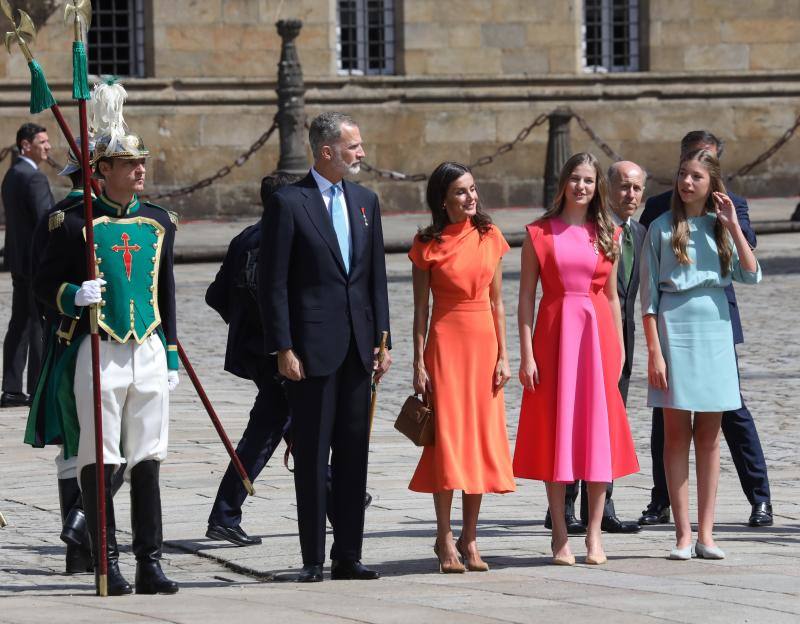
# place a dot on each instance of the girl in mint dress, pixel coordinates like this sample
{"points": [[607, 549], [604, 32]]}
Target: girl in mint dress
{"points": [[690, 255]]}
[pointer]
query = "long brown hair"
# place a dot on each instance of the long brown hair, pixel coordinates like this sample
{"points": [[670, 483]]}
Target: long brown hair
{"points": [[597, 211], [680, 223], [435, 194]]}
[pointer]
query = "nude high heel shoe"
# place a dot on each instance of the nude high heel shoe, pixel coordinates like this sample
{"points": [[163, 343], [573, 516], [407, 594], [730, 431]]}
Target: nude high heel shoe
{"points": [[563, 560], [594, 560], [447, 568], [477, 565]]}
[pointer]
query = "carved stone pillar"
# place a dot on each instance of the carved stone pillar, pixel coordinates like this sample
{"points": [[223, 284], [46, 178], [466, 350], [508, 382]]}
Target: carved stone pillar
{"points": [[291, 103], [558, 152]]}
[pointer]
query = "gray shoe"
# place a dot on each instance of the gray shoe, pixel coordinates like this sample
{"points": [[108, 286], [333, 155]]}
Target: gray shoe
{"points": [[708, 552], [681, 554]]}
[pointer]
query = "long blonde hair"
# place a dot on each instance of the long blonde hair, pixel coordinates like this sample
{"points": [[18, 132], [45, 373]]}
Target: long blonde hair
{"points": [[598, 206], [680, 223]]}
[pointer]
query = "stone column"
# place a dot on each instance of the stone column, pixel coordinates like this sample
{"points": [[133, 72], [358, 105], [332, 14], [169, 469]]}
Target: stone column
{"points": [[291, 103], [558, 152]]}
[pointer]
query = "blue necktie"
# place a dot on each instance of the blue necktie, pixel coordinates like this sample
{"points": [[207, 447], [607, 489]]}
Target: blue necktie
{"points": [[339, 220]]}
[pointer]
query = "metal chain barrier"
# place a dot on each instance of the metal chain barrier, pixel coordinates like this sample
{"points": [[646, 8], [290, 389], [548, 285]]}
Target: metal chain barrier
{"points": [[606, 149], [6, 151], [399, 176], [393, 175], [507, 147], [767, 154], [224, 171], [481, 162]]}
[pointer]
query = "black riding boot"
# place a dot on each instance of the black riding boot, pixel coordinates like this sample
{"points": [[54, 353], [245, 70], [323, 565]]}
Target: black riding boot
{"points": [[117, 585], [73, 527], [147, 534]]}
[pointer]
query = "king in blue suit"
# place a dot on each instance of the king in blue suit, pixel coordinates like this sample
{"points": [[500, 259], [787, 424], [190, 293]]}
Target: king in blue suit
{"points": [[737, 426], [324, 304]]}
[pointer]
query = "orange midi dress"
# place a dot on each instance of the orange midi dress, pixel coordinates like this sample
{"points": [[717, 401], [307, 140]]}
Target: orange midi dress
{"points": [[471, 450]]}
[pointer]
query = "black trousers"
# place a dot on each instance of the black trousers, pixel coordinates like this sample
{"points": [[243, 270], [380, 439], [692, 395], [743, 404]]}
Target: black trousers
{"points": [[742, 438], [269, 422], [330, 415], [23, 341]]}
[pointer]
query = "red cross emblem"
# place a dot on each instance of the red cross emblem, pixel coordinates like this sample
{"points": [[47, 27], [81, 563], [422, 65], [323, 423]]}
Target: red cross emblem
{"points": [[126, 250]]}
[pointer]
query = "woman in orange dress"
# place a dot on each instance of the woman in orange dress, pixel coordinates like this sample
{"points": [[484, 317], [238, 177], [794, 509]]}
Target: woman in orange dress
{"points": [[463, 365]]}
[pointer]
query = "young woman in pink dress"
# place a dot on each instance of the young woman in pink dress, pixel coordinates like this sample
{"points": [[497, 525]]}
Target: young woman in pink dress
{"points": [[572, 422]]}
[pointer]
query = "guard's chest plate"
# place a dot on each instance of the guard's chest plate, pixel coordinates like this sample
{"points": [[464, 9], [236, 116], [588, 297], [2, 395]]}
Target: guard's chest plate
{"points": [[128, 256]]}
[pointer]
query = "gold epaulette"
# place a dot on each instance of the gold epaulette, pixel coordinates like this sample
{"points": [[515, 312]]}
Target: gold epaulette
{"points": [[173, 216], [55, 220]]}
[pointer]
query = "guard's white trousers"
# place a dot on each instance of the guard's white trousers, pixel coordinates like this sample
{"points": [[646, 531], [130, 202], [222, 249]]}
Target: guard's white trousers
{"points": [[66, 468], [135, 398]]}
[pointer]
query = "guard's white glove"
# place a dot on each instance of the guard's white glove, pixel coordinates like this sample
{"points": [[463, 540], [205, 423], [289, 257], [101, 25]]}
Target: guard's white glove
{"points": [[172, 380], [89, 292]]}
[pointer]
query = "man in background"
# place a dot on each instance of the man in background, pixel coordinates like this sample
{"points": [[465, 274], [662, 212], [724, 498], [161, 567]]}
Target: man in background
{"points": [[26, 198]]}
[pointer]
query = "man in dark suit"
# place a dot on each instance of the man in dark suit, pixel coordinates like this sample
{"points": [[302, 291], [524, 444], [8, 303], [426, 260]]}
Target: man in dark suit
{"points": [[233, 294], [626, 187], [737, 426], [324, 303], [26, 198]]}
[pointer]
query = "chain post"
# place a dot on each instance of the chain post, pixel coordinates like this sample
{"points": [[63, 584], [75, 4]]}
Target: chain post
{"points": [[291, 101], [558, 151]]}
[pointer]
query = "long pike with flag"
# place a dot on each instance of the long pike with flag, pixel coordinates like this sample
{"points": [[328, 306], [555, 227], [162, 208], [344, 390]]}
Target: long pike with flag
{"points": [[81, 14]]}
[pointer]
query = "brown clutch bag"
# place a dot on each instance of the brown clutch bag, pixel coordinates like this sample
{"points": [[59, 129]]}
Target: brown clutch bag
{"points": [[416, 421]]}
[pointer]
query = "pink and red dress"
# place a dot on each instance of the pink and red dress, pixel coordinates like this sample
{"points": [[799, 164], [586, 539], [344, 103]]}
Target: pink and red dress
{"points": [[573, 425]]}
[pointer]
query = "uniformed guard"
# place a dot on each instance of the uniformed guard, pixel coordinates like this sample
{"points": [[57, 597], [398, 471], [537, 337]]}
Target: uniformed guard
{"points": [[132, 301]]}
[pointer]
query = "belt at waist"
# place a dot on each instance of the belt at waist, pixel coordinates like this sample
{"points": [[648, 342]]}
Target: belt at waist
{"points": [[460, 305]]}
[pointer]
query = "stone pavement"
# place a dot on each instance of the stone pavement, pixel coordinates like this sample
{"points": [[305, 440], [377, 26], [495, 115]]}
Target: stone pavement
{"points": [[759, 581]]}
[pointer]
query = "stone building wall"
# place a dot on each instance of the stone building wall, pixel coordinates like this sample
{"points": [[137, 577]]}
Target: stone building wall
{"points": [[742, 35], [213, 92]]}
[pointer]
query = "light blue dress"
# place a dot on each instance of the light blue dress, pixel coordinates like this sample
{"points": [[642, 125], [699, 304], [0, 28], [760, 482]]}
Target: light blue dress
{"points": [[694, 323]]}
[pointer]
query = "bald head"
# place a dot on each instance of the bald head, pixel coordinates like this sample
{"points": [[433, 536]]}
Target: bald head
{"points": [[626, 182]]}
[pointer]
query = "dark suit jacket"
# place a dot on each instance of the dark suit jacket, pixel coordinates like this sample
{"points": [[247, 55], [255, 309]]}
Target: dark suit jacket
{"points": [[26, 198], [41, 234], [233, 295], [308, 302], [627, 295], [658, 205]]}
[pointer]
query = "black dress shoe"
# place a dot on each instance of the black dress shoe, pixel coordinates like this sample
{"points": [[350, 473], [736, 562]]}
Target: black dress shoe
{"points": [[761, 515], [656, 513], [367, 499], [352, 571], [234, 535], [310, 574], [612, 524], [14, 399], [574, 526]]}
